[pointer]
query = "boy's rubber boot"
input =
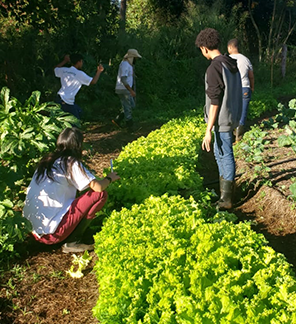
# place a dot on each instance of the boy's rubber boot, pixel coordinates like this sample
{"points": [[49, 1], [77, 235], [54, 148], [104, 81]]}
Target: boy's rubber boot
{"points": [[226, 189], [117, 121], [239, 132]]}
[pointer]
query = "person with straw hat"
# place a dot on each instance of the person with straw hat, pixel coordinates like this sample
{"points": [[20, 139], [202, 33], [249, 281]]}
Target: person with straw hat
{"points": [[125, 88]]}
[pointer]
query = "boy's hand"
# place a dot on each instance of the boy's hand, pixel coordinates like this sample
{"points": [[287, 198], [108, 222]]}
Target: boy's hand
{"points": [[132, 92], [67, 58], [206, 143], [100, 68]]}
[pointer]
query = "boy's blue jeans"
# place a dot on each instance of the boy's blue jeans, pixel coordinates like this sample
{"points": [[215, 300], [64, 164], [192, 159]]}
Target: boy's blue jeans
{"points": [[128, 103], [223, 152], [247, 93], [72, 109]]}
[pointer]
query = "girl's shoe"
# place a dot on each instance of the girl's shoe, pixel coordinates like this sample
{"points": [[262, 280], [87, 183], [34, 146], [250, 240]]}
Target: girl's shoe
{"points": [[75, 247]]}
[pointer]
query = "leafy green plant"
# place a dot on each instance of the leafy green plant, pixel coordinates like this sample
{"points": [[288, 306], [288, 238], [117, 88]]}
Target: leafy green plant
{"points": [[292, 188], [79, 263], [288, 139], [28, 130], [252, 145], [166, 264], [283, 117], [251, 149], [260, 106], [163, 162]]}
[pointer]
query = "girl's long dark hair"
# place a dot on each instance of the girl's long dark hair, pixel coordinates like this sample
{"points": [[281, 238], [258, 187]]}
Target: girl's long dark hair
{"points": [[68, 148]]}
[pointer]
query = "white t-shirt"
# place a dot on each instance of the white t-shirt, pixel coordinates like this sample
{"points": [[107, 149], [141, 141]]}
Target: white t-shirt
{"points": [[71, 79], [244, 65], [125, 70], [47, 202]]}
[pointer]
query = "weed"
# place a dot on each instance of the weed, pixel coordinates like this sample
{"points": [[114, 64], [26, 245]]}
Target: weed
{"points": [[57, 274], [18, 272], [262, 194], [292, 188], [25, 312], [36, 277], [66, 311], [261, 208]]}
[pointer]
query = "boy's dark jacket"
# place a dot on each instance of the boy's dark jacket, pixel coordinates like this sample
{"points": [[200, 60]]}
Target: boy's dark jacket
{"points": [[224, 88]]}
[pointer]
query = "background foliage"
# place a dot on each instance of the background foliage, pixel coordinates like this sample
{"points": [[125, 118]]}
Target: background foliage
{"points": [[36, 35]]}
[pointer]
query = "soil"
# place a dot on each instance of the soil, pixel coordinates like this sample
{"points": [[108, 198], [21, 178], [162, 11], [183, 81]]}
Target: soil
{"points": [[36, 289]]}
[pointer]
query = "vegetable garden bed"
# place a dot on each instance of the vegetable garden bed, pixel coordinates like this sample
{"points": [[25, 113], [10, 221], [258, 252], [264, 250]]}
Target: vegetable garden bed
{"points": [[55, 298]]}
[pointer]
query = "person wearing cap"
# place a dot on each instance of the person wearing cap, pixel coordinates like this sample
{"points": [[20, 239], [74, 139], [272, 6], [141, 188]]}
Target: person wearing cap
{"points": [[72, 78], [125, 88]]}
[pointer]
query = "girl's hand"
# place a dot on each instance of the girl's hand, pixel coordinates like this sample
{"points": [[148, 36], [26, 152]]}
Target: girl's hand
{"points": [[114, 176]]}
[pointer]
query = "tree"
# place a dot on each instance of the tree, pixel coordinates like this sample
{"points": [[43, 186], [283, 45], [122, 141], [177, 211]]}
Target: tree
{"points": [[154, 13], [280, 25], [122, 13]]}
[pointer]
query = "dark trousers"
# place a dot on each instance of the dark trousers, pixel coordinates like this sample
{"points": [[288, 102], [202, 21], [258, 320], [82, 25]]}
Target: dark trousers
{"points": [[72, 109]]}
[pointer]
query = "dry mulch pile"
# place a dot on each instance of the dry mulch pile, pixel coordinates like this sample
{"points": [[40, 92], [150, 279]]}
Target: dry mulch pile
{"points": [[37, 290]]}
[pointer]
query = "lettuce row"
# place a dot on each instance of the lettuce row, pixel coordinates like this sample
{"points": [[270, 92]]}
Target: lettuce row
{"points": [[161, 262], [163, 162], [169, 259]]}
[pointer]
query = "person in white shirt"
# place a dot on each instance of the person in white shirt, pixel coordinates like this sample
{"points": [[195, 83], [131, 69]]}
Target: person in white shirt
{"points": [[72, 78], [51, 205], [125, 88], [247, 76]]}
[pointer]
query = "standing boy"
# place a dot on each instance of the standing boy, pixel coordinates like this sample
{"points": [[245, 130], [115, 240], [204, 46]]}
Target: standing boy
{"points": [[247, 76], [125, 88], [222, 110], [72, 78]]}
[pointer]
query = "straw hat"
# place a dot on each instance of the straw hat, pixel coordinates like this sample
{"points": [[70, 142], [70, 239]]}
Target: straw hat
{"points": [[132, 53]]}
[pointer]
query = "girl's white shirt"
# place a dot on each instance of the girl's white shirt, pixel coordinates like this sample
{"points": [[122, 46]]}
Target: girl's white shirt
{"points": [[47, 202]]}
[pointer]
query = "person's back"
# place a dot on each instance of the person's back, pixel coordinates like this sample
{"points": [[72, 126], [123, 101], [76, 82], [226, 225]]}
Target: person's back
{"points": [[125, 70], [48, 201], [125, 88], [244, 65], [247, 76], [71, 81], [223, 87]]}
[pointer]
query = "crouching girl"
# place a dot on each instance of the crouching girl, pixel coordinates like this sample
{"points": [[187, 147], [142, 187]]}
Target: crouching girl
{"points": [[51, 205]]}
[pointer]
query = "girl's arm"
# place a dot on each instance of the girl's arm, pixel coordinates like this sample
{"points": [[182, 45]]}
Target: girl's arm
{"points": [[101, 185]]}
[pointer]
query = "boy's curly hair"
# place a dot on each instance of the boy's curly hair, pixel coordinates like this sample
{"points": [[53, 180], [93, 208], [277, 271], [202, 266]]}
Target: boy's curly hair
{"points": [[208, 38]]}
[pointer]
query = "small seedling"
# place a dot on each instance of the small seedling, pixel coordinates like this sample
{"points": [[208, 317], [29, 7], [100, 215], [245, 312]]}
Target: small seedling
{"points": [[81, 262]]}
